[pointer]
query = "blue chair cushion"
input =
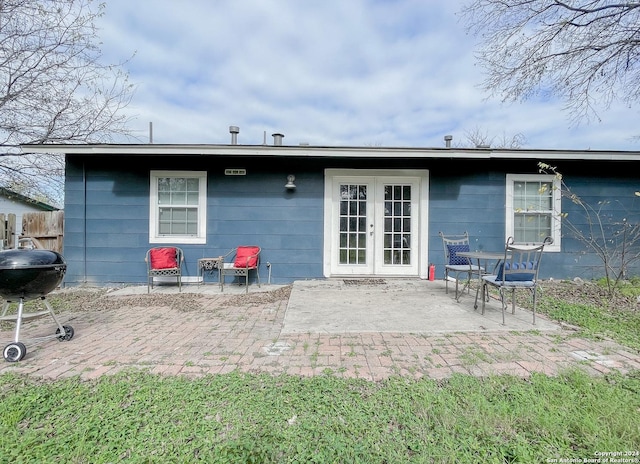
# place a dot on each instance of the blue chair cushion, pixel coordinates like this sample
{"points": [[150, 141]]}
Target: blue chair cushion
{"points": [[454, 259], [516, 277]]}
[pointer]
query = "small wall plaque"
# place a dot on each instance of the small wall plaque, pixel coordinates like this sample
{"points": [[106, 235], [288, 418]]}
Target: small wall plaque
{"points": [[235, 172]]}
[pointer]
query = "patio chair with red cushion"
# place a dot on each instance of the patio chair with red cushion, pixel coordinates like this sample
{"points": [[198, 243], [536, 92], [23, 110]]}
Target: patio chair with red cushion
{"points": [[239, 262], [164, 262]]}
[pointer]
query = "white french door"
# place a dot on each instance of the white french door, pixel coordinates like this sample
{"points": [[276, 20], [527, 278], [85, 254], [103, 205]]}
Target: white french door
{"points": [[374, 223]]}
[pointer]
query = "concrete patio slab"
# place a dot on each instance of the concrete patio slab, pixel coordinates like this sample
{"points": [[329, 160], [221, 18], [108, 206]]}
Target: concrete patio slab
{"points": [[396, 305]]}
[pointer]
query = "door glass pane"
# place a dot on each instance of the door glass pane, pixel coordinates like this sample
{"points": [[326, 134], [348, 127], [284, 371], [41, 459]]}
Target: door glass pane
{"points": [[343, 208], [397, 225], [387, 208], [353, 221]]}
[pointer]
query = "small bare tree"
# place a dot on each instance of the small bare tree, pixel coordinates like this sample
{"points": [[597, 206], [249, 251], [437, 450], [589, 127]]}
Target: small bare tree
{"points": [[616, 242], [583, 51], [478, 138], [55, 89]]}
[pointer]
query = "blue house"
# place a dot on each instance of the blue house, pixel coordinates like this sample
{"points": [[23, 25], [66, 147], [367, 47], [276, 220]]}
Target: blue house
{"points": [[321, 212]]}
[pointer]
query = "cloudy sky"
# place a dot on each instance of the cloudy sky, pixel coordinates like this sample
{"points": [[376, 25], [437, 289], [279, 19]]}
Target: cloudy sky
{"points": [[325, 72]]}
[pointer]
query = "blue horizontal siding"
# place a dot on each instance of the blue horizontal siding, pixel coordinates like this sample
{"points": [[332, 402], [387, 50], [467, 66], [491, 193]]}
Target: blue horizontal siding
{"points": [[241, 210], [475, 203], [256, 209], [614, 201], [468, 202]]}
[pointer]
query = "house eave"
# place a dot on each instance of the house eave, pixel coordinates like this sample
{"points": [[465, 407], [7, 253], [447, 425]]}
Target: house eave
{"points": [[305, 151], [15, 196]]}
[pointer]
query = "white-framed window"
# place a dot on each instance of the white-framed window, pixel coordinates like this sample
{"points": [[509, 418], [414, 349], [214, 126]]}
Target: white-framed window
{"points": [[533, 209], [178, 207]]}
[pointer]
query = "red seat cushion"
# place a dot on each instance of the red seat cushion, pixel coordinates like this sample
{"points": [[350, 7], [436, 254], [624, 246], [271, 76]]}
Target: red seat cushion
{"points": [[244, 253], [163, 258]]}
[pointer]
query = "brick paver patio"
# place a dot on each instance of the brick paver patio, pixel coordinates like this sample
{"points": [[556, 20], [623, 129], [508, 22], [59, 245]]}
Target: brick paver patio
{"points": [[228, 333]]}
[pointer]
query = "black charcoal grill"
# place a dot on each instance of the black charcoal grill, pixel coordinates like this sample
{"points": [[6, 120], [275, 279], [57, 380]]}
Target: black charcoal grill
{"points": [[29, 275]]}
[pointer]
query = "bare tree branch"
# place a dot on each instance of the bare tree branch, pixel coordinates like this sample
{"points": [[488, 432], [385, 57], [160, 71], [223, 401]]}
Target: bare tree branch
{"points": [[54, 86], [584, 51], [613, 239], [478, 138]]}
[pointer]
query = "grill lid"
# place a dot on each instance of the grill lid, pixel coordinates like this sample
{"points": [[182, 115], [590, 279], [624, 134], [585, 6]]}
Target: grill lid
{"points": [[17, 259]]}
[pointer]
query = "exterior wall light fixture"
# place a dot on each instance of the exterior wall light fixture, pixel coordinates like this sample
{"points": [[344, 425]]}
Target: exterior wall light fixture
{"points": [[290, 185]]}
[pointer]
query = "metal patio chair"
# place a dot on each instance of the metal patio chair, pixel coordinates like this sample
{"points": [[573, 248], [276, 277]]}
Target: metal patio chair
{"points": [[518, 271], [455, 264], [164, 262], [242, 260]]}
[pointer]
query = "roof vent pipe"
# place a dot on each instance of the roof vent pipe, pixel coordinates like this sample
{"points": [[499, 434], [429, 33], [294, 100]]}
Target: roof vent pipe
{"points": [[447, 140], [277, 139], [234, 130]]}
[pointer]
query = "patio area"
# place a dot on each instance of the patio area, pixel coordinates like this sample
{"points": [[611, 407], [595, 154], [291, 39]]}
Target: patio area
{"points": [[371, 330], [396, 305]]}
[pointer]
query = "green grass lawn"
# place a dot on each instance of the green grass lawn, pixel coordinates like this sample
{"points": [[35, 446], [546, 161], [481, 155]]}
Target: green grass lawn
{"points": [[137, 417], [623, 326]]}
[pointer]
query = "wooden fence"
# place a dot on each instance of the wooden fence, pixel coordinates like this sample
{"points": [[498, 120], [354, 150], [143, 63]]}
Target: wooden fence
{"points": [[47, 227], [7, 230]]}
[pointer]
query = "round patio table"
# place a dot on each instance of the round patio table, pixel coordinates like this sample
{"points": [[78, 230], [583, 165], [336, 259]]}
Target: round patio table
{"points": [[485, 257]]}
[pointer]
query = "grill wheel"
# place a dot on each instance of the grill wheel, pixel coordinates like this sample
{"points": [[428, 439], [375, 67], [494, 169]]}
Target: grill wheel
{"points": [[14, 352]]}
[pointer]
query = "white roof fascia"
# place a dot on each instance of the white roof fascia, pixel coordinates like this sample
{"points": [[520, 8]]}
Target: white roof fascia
{"points": [[568, 155], [323, 152]]}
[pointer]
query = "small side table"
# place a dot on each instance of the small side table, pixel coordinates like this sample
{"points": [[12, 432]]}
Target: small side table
{"points": [[210, 265]]}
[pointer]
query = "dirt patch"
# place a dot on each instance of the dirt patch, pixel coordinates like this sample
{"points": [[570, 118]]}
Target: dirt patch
{"points": [[587, 293], [100, 300], [254, 299], [90, 299]]}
